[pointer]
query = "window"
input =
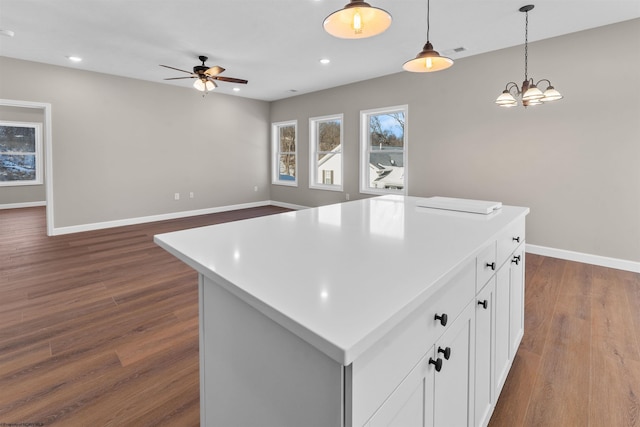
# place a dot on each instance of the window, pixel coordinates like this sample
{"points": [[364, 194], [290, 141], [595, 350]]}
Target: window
{"points": [[284, 153], [325, 165], [20, 153], [383, 150]]}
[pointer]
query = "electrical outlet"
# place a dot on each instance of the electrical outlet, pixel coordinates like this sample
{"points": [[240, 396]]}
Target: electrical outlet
{"points": [[255, 188], [347, 196], [192, 195], [176, 196]]}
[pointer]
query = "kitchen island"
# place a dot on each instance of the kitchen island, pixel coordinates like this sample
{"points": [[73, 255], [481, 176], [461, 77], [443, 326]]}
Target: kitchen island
{"points": [[362, 313]]}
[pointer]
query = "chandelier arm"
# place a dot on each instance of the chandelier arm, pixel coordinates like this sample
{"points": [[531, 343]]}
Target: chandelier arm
{"points": [[544, 80], [512, 85]]}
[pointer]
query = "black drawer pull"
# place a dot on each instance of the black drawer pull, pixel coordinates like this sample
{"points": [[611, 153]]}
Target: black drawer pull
{"points": [[446, 351], [492, 265], [516, 239], [443, 319], [484, 304], [437, 363], [516, 259]]}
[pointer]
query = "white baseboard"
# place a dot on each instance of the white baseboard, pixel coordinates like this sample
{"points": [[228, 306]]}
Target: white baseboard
{"points": [[162, 217], [619, 264], [22, 205], [287, 205]]}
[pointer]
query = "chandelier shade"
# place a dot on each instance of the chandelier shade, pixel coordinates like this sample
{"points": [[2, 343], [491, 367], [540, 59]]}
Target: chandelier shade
{"points": [[357, 20], [529, 92]]}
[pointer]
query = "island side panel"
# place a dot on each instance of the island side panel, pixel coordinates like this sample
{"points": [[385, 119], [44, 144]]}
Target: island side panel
{"points": [[255, 372]]}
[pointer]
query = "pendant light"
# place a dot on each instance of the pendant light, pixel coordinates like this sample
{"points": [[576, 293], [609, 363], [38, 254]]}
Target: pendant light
{"points": [[530, 93], [357, 20], [428, 60]]}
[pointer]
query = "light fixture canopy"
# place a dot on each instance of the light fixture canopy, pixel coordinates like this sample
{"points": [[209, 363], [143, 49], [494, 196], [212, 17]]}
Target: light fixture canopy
{"points": [[529, 91], [357, 20], [428, 60]]}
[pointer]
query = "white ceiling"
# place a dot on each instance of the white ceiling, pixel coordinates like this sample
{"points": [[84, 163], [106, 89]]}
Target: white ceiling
{"points": [[276, 44]]}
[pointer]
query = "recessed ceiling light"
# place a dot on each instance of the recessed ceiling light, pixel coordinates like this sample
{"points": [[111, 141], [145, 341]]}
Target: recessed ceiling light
{"points": [[7, 33], [236, 89], [74, 58], [325, 61]]}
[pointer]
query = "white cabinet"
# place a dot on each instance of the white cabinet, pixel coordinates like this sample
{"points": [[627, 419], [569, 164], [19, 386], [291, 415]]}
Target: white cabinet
{"points": [[411, 404], [485, 344], [454, 384], [516, 305], [439, 389]]}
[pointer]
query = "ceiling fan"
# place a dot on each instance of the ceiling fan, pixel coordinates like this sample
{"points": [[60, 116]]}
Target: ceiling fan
{"points": [[205, 76]]}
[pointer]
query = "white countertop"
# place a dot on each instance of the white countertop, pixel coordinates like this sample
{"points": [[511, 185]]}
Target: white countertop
{"points": [[339, 276]]}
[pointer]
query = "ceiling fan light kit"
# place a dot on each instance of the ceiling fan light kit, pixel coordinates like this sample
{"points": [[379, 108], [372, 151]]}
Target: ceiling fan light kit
{"points": [[428, 60], [529, 92], [357, 20]]}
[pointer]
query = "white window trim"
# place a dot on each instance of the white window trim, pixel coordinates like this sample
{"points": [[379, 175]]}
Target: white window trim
{"points": [[364, 150], [38, 154], [275, 153], [313, 169]]}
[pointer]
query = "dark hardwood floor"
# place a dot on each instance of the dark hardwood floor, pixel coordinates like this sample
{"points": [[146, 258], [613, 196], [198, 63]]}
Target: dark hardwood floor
{"points": [[101, 329]]}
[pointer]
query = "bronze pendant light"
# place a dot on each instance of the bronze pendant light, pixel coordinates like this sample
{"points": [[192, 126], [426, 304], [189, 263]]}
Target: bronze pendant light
{"points": [[428, 60], [357, 20]]}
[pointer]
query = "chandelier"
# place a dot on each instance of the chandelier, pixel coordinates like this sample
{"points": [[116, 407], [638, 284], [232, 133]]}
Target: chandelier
{"points": [[530, 93]]}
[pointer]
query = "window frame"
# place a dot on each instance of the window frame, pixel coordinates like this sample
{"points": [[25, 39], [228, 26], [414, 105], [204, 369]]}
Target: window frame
{"points": [[314, 152], [365, 150], [276, 153], [38, 153]]}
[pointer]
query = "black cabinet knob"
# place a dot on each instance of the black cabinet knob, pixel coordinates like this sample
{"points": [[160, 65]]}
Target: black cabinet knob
{"points": [[437, 363], [516, 239], [484, 304], [443, 319], [516, 259], [492, 265], [446, 351]]}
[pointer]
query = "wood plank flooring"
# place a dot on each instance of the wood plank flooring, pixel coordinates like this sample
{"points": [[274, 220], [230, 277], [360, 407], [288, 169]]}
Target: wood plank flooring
{"points": [[100, 329]]}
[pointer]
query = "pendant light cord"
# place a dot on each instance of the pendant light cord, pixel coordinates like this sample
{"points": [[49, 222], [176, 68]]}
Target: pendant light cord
{"points": [[427, 20], [526, 44]]}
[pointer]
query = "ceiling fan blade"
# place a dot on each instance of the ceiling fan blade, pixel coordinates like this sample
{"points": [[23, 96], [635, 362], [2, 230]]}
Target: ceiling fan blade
{"points": [[230, 80], [177, 69], [179, 78], [214, 71]]}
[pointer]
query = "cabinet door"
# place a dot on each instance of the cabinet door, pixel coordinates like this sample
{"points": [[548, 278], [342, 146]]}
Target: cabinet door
{"points": [[485, 341], [454, 384], [502, 320], [411, 404], [516, 287]]}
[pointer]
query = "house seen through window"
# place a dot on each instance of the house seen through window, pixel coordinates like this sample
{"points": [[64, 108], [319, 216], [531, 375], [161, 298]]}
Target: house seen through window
{"points": [[383, 148], [325, 136]]}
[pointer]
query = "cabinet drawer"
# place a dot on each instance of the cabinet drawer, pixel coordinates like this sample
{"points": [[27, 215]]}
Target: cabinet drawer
{"points": [[486, 265], [510, 239], [376, 373]]}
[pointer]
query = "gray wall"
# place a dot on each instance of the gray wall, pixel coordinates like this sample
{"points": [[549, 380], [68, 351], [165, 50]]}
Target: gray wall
{"points": [[23, 193], [123, 147], [575, 163]]}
